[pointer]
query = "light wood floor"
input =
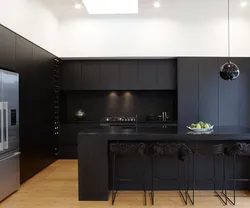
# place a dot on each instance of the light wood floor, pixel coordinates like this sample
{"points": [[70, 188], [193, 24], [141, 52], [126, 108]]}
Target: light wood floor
{"points": [[56, 187]]}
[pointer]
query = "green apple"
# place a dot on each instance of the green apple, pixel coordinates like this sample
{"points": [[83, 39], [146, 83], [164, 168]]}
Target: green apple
{"points": [[198, 126]]}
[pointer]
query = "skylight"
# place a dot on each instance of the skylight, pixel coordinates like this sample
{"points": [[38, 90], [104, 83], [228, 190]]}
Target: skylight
{"points": [[111, 6]]}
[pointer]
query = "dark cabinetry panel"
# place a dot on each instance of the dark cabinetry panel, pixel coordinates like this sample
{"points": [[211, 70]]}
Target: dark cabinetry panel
{"points": [[166, 70], [91, 75], [71, 75], [119, 75], [228, 100], [208, 90], [244, 87], [147, 72], [35, 67], [188, 85], [128, 75], [110, 75], [7, 48]]}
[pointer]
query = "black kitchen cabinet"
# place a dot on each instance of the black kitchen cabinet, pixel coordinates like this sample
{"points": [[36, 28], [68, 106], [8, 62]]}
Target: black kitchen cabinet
{"points": [[208, 90], [243, 91], [166, 74], [228, 99], [129, 75], [110, 75], [71, 75], [147, 74], [119, 75], [91, 75], [188, 90], [7, 51]]}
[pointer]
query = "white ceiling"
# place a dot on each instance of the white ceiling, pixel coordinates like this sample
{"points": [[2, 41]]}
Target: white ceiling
{"points": [[64, 9]]}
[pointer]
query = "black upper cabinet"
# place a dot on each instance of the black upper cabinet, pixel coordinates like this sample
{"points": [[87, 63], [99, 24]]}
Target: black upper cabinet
{"points": [[110, 75], [7, 51], [128, 75], [91, 75], [208, 90], [24, 51], [71, 75], [166, 71], [188, 94], [147, 70], [119, 75], [228, 99]]}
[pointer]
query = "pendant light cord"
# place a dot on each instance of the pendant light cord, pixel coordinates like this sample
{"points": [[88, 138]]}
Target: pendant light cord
{"points": [[228, 27]]}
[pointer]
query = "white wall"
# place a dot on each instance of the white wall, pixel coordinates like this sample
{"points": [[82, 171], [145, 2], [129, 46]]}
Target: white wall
{"points": [[32, 20], [185, 28]]}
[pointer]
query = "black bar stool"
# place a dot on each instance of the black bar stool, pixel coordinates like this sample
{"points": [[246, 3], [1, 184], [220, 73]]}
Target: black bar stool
{"points": [[124, 150], [238, 149], [207, 150], [176, 150]]}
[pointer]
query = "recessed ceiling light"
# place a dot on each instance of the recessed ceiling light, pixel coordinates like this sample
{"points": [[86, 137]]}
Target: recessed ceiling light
{"points": [[243, 4], [156, 4], [78, 6], [111, 6]]}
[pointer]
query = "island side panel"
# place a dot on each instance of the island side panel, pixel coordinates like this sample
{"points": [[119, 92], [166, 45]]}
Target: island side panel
{"points": [[92, 168]]}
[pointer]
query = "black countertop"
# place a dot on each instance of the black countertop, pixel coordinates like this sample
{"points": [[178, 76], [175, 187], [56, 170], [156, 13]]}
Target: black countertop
{"points": [[174, 132]]}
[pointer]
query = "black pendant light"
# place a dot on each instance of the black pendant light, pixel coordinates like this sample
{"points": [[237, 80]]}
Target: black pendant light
{"points": [[229, 70]]}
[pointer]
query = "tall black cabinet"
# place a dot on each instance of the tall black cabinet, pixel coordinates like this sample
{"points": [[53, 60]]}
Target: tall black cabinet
{"points": [[203, 95], [36, 100]]}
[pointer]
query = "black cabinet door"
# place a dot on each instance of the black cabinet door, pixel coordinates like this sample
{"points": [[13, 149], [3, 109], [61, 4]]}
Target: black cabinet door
{"points": [[129, 75], [208, 90], [7, 50], [188, 86], [244, 87], [228, 100], [91, 75], [147, 74], [166, 79], [110, 75], [71, 75]]}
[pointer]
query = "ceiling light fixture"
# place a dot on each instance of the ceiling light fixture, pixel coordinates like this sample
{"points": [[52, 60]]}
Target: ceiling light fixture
{"points": [[111, 6], [78, 6], [229, 70], [156, 4], [243, 4]]}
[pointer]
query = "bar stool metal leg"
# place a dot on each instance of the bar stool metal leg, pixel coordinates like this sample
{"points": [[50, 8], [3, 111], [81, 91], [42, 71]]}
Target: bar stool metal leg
{"points": [[223, 182], [191, 199], [179, 177], [114, 191], [153, 179], [145, 183]]}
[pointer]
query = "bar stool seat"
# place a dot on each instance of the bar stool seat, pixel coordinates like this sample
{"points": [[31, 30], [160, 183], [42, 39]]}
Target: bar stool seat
{"points": [[177, 150], [124, 149], [238, 149]]}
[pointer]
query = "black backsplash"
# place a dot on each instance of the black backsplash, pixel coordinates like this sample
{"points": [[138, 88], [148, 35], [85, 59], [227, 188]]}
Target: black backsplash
{"points": [[99, 104]]}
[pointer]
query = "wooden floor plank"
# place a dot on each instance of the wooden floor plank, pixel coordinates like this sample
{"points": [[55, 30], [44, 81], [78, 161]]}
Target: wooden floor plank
{"points": [[56, 187]]}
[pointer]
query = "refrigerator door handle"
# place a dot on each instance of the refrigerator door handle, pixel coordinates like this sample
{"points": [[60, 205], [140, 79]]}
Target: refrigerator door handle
{"points": [[1, 126], [6, 141], [11, 156]]}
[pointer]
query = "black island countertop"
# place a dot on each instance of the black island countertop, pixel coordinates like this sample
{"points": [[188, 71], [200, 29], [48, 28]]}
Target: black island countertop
{"points": [[178, 132]]}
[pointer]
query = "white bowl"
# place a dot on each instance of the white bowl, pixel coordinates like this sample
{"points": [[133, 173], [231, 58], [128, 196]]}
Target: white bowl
{"points": [[200, 130]]}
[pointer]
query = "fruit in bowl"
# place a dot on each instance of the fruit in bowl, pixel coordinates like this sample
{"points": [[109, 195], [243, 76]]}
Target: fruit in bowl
{"points": [[200, 126]]}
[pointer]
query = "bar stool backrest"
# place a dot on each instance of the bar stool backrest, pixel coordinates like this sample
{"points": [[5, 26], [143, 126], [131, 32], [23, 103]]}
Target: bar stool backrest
{"points": [[239, 149], [126, 149], [209, 149], [172, 149]]}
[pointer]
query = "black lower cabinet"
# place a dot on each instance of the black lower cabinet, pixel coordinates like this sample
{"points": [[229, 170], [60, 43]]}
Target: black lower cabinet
{"points": [[68, 138], [36, 100]]}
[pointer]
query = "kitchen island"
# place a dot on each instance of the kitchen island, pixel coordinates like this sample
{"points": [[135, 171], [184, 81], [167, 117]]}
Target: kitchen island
{"points": [[93, 157]]}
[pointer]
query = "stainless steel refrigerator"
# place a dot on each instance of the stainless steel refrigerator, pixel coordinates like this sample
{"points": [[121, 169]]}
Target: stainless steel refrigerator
{"points": [[9, 133]]}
